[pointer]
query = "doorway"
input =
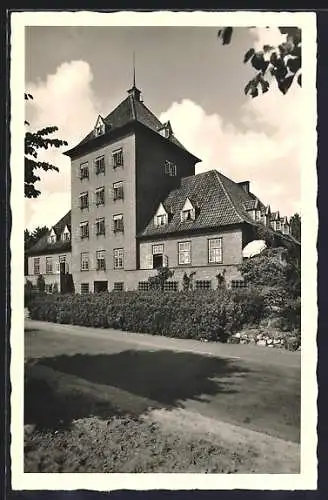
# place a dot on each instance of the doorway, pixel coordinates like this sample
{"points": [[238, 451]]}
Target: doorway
{"points": [[100, 286]]}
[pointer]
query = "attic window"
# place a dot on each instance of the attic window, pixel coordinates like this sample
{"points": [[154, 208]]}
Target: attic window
{"points": [[188, 212], [52, 237], [161, 220], [165, 132], [99, 127], [66, 235]]}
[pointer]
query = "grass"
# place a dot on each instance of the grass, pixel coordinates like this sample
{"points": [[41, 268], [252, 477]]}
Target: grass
{"points": [[84, 411]]}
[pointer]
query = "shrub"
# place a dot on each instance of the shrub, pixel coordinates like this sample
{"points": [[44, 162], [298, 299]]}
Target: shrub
{"points": [[213, 315], [41, 285]]}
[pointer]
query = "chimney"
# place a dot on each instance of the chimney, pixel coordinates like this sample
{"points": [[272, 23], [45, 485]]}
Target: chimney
{"points": [[244, 185]]}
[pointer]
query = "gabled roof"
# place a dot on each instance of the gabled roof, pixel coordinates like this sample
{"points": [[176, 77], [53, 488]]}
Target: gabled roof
{"points": [[43, 245], [130, 110], [219, 200]]}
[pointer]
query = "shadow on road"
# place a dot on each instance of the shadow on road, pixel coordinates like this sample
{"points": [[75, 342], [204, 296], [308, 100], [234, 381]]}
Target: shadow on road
{"points": [[157, 379]]}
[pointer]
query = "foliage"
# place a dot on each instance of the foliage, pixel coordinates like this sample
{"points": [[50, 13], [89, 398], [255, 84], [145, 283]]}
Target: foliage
{"points": [[35, 141], [282, 63], [157, 281], [31, 237], [274, 267], [187, 281], [40, 283], [295, 226], [212, 315]]}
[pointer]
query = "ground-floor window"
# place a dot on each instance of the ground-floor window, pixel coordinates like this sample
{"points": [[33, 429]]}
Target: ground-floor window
{"points": [[157, 252], [170, 286], [36, 264], [48, 265], [100, 286], [184, 251], [143, 286], [118, 286], [203, 285], [84, 287], [215, 250], [238, 284]]}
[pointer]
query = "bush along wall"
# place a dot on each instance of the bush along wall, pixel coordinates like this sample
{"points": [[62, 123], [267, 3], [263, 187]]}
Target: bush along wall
{"points": [[207, 315]]}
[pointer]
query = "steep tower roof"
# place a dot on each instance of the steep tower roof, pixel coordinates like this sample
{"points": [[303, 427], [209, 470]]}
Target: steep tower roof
{"points": [[131, 110]]}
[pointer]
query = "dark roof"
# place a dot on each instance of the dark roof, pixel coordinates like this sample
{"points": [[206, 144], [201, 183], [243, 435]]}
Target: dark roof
{"points": [[129, 111], [217, 199], [43, 246]]}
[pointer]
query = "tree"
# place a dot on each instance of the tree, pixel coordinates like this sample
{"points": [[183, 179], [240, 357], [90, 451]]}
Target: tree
{"points": [[282, 63], [295, 226], [33, 142], [31, 237]]}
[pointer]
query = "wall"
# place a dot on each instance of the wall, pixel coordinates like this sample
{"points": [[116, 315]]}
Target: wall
{"points": [[110, 240], [48, 278], [152, 185]]}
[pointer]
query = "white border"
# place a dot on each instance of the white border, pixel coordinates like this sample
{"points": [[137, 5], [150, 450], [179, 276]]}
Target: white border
{"points": [[307, 479]]}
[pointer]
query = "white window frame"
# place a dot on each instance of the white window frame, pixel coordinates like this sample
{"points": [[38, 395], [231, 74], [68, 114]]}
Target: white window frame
{"points": [[118, 223], [118, 191], [84, 261], [36, 265], [84, 200], [84, 225], [84, 167], [161, 220], [215, 253], [100, 196], [117, 154], [85, 285], [118, 258], [100, 224], [158, 249], [170, 168], [101, 260], [100, 160], [184, 252], [49, 265]]}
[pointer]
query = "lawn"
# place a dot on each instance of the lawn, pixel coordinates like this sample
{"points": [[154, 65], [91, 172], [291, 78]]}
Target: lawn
{"points": [[94, 405]]}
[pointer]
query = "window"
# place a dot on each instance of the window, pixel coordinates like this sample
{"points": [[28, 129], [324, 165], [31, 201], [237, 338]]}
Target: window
{"points": [[203, 285], [215, 250], [84, 288], [48, 265], [85, 261], [161, 220], [118, 191], [100, 226], [117, 158], [257, 215], [184, 248], [100, 196], [62, 264], [52, 238], [66, 236], [84, 230], [158, 249], [84, 171], [36, 265], [100, 128], [238, 284], [84, 200], [187, 215], [118, 223], [143, 286], [118, 286], [100, 165], [170, 169], [100, 257], [170, 286], [278, 225], [118, 258], [62, 258]]}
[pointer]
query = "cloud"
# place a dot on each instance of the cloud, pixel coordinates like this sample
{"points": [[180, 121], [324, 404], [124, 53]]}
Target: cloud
{"points": [[64, 99], [265, 148]]}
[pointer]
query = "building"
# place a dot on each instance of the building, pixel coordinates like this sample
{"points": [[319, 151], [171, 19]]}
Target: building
{"points": [[137, 205]]}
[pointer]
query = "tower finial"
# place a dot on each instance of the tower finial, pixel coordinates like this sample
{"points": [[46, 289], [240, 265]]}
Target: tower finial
{"points": [[134, 69]]}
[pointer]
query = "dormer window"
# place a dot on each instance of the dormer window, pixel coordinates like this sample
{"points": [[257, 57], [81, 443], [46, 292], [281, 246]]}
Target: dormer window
{"points": [[188, 212], [166, 130], [66, 235], [99, 127], [161, 216], [52, 237]]}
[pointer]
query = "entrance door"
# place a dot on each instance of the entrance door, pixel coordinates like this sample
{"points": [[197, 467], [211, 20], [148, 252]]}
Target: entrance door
{"points": [[62, 266], [100, 286], [157, 261]]}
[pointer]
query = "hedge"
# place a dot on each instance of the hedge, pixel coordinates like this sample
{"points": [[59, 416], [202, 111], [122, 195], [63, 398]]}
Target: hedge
{"points": [[212, 315]]}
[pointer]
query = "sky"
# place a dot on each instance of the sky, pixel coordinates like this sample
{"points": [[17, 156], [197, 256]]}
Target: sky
{"points": [[186, 76]]}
